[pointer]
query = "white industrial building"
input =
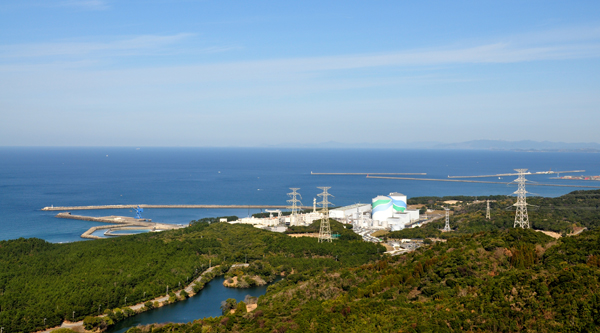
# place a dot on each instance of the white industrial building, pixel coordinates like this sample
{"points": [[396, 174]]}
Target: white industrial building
{"points": [[349, 212], [385, 212], [391, 212], [273, 221]]}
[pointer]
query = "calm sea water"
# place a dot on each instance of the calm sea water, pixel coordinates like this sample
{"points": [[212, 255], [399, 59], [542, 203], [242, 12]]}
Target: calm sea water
{"points": [[32, 178], [207, 303]]}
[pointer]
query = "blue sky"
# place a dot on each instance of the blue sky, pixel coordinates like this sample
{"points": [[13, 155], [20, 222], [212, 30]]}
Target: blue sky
{"points": [[255, 73]]}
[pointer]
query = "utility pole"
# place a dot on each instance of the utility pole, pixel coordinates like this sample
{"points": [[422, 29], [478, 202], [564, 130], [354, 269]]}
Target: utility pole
{"points": [[487, 212], [521, 217], [73, 315], [295, 204], [447, 226], [325, 231], [167, 290], [44, 322]]}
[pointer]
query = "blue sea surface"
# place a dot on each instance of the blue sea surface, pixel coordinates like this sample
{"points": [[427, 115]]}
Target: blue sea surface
{"points": [[32, 178], [207, 303]]}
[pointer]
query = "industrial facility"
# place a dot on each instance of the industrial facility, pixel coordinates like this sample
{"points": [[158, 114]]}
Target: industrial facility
{"points": [[389, 212], [385, 212]]}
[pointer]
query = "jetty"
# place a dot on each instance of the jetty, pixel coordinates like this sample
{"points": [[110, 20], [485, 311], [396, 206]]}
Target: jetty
{"points": [[479, 181], [118, 223], [367, 173], [63, 208]]}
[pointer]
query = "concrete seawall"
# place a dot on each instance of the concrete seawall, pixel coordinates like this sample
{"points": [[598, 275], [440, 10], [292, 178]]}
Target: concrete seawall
{"points": [[59, 208], [117, 223]]}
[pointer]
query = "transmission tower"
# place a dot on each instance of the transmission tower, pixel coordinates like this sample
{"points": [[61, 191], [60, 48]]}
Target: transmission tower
{"points": [[487, 212], [447, 226], [521, 217], [295, 204], [325, 231]]}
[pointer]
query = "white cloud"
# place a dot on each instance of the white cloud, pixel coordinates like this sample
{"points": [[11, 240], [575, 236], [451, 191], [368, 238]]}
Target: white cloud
{"points": [[128, 46], [85, 4], [553, 45]]}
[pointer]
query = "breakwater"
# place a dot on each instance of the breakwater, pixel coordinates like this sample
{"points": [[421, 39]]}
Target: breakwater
{"points": [[481, 182], [117, 223], [62, 208]]}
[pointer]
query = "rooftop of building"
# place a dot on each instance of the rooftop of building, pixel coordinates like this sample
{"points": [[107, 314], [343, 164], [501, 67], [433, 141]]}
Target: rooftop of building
{"points": [[356, 205]]}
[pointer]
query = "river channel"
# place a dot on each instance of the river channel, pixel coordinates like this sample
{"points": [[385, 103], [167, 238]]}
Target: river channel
{"points": [[207, 303]]}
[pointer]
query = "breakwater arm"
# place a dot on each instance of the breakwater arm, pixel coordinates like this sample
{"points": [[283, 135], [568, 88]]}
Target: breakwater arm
{"points": [[481, 182], [57, 208], [117, 223]]}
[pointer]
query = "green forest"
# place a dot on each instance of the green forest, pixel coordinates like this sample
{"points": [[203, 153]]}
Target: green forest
{"points": [[72, 281], [513, 280], [484, 276]]}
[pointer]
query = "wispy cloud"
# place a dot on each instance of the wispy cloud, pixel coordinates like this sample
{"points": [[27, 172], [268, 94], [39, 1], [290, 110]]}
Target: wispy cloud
{"points": [[552, 45], [85, 4], [119, 47]]}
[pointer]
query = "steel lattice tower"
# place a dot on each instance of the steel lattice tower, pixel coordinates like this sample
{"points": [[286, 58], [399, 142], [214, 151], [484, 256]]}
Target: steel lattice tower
{"points": [[295, 204], [521, 217], [325, 231], [447, 226], [487, 212]]}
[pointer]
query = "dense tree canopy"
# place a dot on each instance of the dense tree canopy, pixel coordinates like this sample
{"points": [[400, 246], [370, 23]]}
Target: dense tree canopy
{"points": [[71, 281], [483, 276], [509, 281]]}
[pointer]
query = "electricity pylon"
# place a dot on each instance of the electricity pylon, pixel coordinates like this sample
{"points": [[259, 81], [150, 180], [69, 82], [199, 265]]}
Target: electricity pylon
{"points": [[521, 217], [295, 204], [325, 231], [447, 226], [487, 212]]}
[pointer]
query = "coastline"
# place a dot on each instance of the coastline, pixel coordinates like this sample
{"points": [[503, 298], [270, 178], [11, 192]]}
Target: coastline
{"points": [[140, 307]]}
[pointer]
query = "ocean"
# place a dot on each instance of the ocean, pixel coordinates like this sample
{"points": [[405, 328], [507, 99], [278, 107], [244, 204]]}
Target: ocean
{"points": [[32, 178]]}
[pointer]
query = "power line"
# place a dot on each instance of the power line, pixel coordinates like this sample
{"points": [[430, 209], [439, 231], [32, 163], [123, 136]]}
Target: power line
{"points": [[295, 204], [521, 217], [325, 231], [447, 226]]}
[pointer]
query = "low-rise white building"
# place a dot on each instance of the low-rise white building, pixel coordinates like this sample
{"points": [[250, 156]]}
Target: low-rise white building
{"points": [[349, 212]]}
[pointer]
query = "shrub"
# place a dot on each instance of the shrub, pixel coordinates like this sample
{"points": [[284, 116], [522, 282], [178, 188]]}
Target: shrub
{"points": [[241, 309], [149, 305]]}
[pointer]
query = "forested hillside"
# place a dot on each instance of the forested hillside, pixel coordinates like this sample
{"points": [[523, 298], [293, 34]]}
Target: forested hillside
{"points": [[483, 276], [561, 214], [510, 281], [71, 281]]}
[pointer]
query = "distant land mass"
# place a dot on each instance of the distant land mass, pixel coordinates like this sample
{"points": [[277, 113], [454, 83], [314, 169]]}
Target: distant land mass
{"points": [[524, 145]]}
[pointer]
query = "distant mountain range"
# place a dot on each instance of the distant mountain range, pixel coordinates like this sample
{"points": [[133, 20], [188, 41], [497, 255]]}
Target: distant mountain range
{"points": [[524, 145]]}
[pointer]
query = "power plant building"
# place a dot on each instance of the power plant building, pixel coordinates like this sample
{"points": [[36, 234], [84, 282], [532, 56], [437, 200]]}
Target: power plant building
{"points": [[385, 212], [349, 212], [391, 212]]}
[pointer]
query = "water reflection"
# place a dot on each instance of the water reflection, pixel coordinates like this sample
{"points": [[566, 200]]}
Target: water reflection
{"points": [[207, 303]]}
